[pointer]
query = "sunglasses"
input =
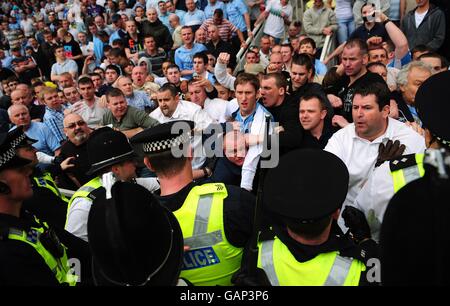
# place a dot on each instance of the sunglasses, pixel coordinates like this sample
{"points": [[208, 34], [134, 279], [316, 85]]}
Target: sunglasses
{"points": [[74, 124]]}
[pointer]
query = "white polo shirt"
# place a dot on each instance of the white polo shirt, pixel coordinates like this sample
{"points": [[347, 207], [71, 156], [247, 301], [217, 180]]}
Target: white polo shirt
{"points": [[360, 155]]}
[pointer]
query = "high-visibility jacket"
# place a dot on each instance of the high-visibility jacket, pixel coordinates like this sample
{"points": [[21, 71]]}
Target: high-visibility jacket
{"points": [[211, 260], [46, 181], [85, 190], [59, 266], [327, 269], [406, 169]]}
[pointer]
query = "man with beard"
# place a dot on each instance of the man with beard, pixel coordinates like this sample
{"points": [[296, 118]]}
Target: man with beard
{"points": [[77, 132]]}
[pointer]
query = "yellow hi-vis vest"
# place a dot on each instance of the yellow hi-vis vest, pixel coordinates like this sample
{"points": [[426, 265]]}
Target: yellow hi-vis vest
{"points": [[211, 260], [46, 181], [327, 269], [406, 169], [84, 191], [59, 266]]}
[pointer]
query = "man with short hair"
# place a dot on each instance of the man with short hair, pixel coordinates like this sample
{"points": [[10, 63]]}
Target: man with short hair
{"points": [[54, 112], [435, 60], [193, 17], [159, 31], [139, 76], [216, 108], [216, 45], [184, 54], [354, 59], [71, 94], [153, 53], [66, 80], [225, 28], [200, 61], [276, 100], [89, 108], [287, 52], [77, 133], [127, 119], [63, 64], [250, 118], [315, 121], [135, 98], [200, 36], [25, 97], [358, 144], [175, 26], [19, 115], [171, 108], [308, 46]]}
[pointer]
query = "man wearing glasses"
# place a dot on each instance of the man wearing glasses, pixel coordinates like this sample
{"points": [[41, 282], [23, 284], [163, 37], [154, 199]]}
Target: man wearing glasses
{"points": [[77, 133]]}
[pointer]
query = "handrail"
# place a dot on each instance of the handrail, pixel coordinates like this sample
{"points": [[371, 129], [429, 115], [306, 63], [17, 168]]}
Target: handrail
{"points": [[248, 41], [251, 41], [67, 192], [327, 47]]}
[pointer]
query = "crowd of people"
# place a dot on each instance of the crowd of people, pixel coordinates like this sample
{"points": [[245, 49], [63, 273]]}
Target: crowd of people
{"points": [[99, 96]]}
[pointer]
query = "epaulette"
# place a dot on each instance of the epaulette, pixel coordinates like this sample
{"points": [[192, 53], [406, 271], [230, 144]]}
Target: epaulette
{"points": [[402, 162], [97, 193]]}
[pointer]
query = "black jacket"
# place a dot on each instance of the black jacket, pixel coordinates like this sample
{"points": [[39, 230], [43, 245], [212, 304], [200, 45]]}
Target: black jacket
{"points": [[159, 31], [431, 32]]}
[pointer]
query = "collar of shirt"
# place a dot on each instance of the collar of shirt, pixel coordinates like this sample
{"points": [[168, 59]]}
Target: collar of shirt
{"points": [[246, 122]]}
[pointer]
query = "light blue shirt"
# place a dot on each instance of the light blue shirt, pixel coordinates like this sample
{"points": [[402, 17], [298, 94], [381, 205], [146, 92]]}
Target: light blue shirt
{"points": [[320, 67], [67, 66], [98, 50], [183, 57], [46, 141], [139, 100], [235, 11], [165, 19], [209, 9], [196, 17]]}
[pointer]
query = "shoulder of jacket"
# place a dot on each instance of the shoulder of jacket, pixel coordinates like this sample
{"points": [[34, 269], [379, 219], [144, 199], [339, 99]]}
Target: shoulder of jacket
{"points": [[402, 162]]}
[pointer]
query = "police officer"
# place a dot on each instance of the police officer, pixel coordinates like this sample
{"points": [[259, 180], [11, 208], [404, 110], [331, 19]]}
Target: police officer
{"points": [[216, 219], [112, 158], [30, 251], [303, 205], [47, 203], [415, 227], [123, 232]]}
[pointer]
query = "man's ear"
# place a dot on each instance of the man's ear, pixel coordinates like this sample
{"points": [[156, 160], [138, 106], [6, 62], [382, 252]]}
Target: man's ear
{"points": [[148, 164]]}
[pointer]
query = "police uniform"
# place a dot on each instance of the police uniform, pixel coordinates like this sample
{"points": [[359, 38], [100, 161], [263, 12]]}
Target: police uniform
{"points": [[415, 226], [216, 219], [106, 147], [30, 252], [297, 193]]}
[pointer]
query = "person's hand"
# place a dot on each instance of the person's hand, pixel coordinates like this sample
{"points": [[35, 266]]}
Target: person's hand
{"points": [[67, 163], [374, 40], [203, 82], [389, 151], [278, 129], [335, 101], [417, 128], [224, 58], [249, 33], [339, 121], [150, 78], [236, 126], [272, 68], [327, 31], [243, 45], [356, 221], [382, 16]]}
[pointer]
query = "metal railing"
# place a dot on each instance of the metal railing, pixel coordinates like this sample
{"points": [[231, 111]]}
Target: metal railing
{"points": [[68, 193], [251, 41], [298, 7], [328, 47]]}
